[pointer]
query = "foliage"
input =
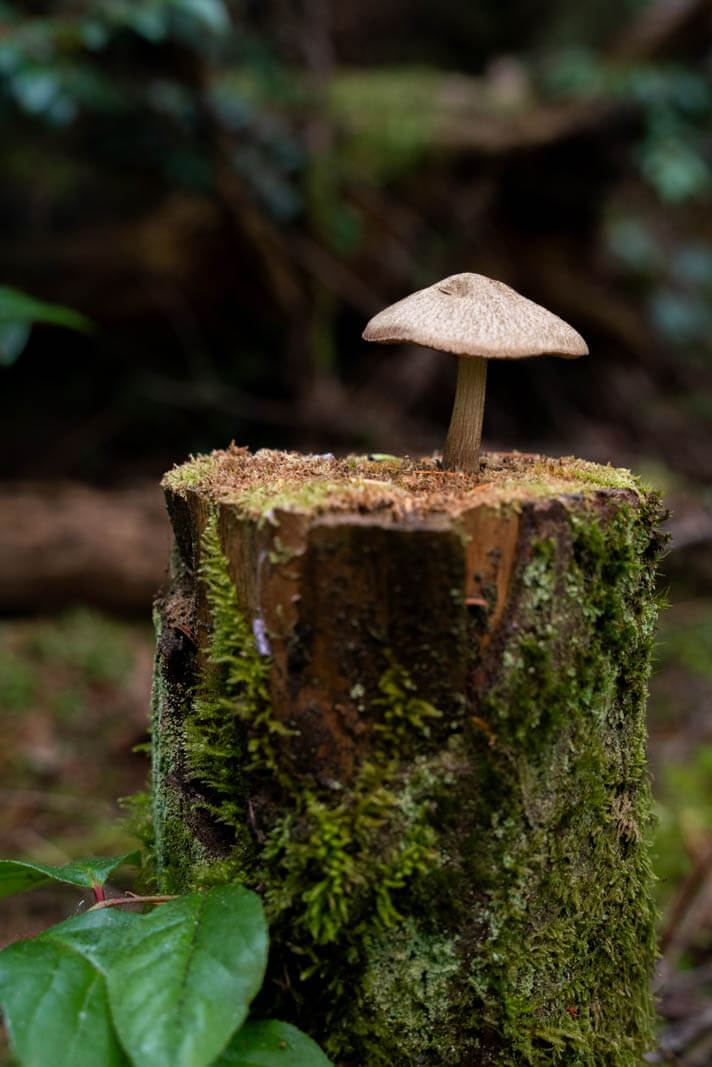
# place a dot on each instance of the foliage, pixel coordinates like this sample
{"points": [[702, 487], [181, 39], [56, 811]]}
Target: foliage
{"points": [[17, 875], [54, 70], [72, 685], [277, 173], [18, 313], [171, 988], [684, 818], [674, 100]]}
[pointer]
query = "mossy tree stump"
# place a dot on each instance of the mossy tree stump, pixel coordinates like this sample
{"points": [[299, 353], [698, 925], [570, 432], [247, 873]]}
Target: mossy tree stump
{"points": [[408, 709]]}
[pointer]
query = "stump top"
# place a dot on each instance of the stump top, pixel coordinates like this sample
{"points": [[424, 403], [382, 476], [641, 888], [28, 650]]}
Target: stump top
{"points": [[257, 483]]}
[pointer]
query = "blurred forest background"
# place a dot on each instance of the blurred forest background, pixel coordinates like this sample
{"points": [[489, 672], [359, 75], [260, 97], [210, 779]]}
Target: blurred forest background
{"points": [[201, 204]]}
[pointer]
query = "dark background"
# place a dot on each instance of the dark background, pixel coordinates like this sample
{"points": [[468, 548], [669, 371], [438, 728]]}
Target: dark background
{"points": [[228, 191]]}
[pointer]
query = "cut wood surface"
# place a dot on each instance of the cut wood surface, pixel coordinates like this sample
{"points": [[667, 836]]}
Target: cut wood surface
{"points": [[407, 706]]}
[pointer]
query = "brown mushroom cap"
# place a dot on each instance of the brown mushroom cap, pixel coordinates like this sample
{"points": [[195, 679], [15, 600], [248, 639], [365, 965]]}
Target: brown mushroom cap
{"points": [[471, 315]]}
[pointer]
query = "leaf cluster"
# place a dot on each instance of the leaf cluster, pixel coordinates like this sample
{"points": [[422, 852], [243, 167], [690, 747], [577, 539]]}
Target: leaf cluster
{"points": [[170, 988], [675, 102]]}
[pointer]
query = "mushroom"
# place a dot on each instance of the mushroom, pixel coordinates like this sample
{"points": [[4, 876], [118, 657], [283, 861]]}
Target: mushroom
{"points": [[478, 319]]}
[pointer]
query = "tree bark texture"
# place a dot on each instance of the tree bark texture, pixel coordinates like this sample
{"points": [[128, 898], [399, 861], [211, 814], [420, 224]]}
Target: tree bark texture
{"points": [[407, 708]]}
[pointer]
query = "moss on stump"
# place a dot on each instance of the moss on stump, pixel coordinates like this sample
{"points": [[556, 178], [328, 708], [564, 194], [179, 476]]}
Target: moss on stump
{"points": [[408, 709]]}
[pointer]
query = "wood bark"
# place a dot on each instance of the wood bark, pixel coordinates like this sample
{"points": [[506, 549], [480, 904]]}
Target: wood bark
{"points": [[420, 736]]}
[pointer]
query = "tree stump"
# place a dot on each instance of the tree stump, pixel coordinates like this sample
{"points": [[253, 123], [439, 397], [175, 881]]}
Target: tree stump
{"points": [[407, 708]]}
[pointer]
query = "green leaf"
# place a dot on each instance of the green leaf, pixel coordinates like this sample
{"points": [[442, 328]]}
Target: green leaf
{"points": [[270, 1043], [95, 934], [16, 306], [18, 311], [184, 977], [18, 875], [14, 335], [55, 1006]]}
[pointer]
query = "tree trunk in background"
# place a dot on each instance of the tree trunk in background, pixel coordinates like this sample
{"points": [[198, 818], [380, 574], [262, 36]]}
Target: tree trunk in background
{"points": [[408, 709]]}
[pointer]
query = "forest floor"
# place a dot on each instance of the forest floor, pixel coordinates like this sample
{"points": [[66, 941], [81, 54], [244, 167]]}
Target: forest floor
{"points": [[74, 694]]}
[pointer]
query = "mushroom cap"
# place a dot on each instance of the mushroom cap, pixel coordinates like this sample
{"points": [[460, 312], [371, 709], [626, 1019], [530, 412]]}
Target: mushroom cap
{"points": [[471, 315]]}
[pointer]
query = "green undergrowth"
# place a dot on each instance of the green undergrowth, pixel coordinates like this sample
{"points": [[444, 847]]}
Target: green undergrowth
{"points": [[58, 661], [480, 892], [682, 750], [70, 688]]}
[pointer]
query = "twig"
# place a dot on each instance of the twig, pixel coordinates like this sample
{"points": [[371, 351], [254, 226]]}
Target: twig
{"points": [[655, 27], [117, 902], [688, 893]]}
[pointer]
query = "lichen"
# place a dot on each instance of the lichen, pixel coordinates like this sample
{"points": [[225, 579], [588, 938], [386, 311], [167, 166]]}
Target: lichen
{"points": [[407, 987]]}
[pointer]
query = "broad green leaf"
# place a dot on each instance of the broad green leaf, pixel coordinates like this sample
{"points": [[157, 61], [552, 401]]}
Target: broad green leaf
{"points": [[96, 935], [55, 1007], [270, 1043], [16, 306], [183, 979], [18, 875]]}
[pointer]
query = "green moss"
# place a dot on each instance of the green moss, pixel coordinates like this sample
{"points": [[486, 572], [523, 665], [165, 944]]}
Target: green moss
{"points": [[180, 854], [232, 692], [332, 869], [466, 896], [191, 474], [175, 849], [338, 864], [228, 729], [258, 485], [138, 822], [567, 876], [309, 496], [337, 869], [405, 715]]}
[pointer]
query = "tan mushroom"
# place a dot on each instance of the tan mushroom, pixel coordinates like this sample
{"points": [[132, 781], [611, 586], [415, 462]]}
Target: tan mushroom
{"points": [[477, 319]]}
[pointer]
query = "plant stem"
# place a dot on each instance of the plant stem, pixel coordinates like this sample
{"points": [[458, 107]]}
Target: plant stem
{"points": [[117, 902], [462, 448]]}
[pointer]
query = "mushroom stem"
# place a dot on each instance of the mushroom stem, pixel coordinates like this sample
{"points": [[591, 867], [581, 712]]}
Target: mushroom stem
{"points": [[462, 448]]}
